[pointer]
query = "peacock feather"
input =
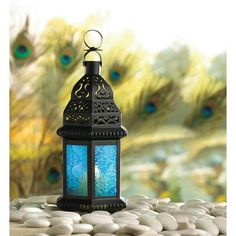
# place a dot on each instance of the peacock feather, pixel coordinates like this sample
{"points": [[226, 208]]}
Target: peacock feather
{"points": [[207, 100]]}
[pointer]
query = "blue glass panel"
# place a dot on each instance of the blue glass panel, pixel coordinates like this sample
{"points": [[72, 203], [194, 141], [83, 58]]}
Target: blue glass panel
{"points": [[105, 170], [76, 170]]}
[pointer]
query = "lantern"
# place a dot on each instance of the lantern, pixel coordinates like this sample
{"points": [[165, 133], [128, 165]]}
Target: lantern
{"points": [[91, 135]]}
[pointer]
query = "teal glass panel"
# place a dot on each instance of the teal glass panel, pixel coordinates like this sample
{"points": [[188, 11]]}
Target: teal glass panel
{"points": [[105, 170], [76, 170]]}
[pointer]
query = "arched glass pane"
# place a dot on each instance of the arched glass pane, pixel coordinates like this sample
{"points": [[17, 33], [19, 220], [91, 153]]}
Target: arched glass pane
{"points": [[105, 170], [76, 170]]}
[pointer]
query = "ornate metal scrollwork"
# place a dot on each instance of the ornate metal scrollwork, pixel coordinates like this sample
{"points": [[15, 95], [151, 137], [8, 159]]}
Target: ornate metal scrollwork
{"points": [[103, 120], [101, 107]]}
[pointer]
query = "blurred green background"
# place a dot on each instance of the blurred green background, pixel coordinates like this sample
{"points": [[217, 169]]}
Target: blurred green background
{"points": [[173, 102]]}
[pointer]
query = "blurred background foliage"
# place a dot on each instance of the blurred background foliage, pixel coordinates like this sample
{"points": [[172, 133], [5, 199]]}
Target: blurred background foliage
{"points": [[173, 104]]}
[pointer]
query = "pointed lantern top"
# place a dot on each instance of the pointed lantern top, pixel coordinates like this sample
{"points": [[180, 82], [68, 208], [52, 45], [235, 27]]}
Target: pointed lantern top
{"points": [[91, 112]]}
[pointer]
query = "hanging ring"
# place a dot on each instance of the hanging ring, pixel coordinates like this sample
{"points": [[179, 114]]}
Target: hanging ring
{"points": [[87, 45], [93, 49]]}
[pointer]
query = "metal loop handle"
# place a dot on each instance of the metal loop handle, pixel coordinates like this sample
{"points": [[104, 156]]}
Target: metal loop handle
{"points": [[91, 48]]}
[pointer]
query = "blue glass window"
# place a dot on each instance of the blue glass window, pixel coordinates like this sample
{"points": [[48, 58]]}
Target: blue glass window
{"points": [[105, 170], [76, 170]]}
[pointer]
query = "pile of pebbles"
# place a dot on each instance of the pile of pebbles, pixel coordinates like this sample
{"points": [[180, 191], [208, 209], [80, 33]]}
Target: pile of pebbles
{"points": [[143, 216]]}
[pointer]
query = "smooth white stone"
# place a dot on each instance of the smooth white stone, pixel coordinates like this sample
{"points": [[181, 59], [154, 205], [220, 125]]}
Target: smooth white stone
{"points": [[52, 199], [185, 225], [34, 215], [101, 213], [192, 232], [94, 219], [134, 229], [150, 232], [127, 214], [16, 216], [106, 228], [31, 205], [69, 214], [166, 208], [194, 201], [196, 210], [149, 212], [78, 235], [167, 220], [40, 234], [164, 200], [30, 209], [137, 206], [82, 228], [170, 233], [181, 218], [207, 225], [104, 234], [151, 221], [218, 212], [61, 220], [60, 229], [220, 222], [126, 220], [220, 204], [37, 223], [133, 212], [36, 200]]}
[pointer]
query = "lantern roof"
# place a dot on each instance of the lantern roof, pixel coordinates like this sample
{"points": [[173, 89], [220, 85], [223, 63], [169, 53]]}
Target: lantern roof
{"points": [[92, 112]]}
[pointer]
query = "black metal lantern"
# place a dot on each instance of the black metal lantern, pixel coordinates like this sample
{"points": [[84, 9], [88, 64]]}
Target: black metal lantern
{"points": [[91, 135]]}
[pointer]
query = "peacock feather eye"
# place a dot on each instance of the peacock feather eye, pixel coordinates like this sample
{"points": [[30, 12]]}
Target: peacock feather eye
{"points": [[115, 75], [150, 107], [206, 112], [66, 57], [21, 51], [53, 175]]}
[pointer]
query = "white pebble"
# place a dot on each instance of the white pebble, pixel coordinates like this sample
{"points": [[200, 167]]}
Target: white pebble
{"points": [[218, 212], [134, 229], [101, 213], [207, 225], [60, 229], [164, 200], [82, 228], [36, 200], [52, 199], [151, 221], [106, 228], [40, 234], [167, 220], [192, 232], [126, 220], [37, 223], [16, 216], [30, 209], [94, 219], [34, 215], [170, 233], [104, 234], [69, 214], [220, 222], [61, 220], [126, 214]]}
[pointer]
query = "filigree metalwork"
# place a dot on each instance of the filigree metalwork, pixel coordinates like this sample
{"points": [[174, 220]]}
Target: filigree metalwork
{"points": [[100, 107], [76, 118], [78, 106], [104, 120]]}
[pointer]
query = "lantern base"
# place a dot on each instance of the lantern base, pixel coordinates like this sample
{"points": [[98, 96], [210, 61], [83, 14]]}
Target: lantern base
{"points": [[88, 205]]}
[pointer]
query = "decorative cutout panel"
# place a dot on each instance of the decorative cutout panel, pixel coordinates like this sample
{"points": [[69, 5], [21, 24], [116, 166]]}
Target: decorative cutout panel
{"points": [[101, 107]]}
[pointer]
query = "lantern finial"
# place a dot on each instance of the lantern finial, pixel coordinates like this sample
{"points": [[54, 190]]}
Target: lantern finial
{"points": [[92, 48]]}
